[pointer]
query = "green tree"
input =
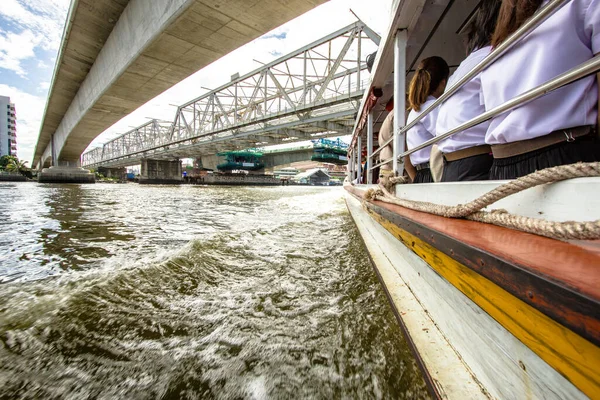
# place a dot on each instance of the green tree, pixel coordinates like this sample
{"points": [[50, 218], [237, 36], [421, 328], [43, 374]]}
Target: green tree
{"points": [[16, 165], [5, 160]]}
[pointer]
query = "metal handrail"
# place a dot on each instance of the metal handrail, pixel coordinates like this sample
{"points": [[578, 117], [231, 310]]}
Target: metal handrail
{"points": [[380, 164], [583, 70], [539, 17], [376, 151]]}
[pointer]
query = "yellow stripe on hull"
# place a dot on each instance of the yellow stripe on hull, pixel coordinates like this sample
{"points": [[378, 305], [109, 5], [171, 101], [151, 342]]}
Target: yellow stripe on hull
{"points": [[571, 355]]}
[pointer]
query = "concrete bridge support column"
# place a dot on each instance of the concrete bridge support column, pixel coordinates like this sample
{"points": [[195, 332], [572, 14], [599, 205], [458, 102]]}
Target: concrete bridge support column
{"points": [[66, 172], [120, 173], [209, 161], [161, 172]]}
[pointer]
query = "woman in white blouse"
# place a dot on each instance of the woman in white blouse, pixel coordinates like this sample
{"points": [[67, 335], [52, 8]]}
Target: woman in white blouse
{"points": [[560, 127], [466, 156], [427, 84]]}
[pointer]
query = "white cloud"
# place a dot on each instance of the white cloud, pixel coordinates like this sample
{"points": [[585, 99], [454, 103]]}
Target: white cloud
{"points": [[44, 85], [14, 48], [29, 116], [40, 24]]}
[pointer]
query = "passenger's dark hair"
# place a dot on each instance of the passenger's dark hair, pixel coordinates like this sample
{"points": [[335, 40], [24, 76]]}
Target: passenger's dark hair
{"points": [[481, 27], [428, 76], [370, 61], [513, 13]]}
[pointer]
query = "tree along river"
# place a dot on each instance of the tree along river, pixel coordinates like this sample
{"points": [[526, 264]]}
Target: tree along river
{"points": [[128, 291]]}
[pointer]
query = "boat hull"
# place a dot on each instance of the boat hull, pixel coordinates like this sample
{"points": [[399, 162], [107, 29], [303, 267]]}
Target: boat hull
{"points": [[474, 339]]}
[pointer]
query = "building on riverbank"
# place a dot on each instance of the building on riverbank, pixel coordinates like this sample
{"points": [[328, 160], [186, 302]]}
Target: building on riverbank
{"points": [[8, 127], [315, 176]]}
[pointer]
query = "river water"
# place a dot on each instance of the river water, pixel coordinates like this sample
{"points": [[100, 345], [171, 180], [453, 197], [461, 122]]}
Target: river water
{"points": [[128, 291]]}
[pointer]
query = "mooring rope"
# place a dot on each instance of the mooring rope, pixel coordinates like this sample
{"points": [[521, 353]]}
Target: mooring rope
{"points": [[568, 230]]}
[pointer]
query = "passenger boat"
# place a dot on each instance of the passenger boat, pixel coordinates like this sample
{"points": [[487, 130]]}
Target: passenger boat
{"points": [[490, 312]]}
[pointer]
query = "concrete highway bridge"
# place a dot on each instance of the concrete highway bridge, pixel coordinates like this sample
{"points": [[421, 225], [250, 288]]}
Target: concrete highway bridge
{"points": [[118, 54]]}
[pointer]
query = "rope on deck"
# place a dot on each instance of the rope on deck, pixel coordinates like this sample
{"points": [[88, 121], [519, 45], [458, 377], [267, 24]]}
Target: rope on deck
{"points": [[568, 230]]}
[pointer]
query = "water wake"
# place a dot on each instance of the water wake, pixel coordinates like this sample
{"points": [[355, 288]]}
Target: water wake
{"points": [[283, 308]]}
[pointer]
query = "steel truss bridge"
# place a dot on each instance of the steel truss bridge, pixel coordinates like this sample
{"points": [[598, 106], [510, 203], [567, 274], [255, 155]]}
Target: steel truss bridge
{"points": [[311, 93]]}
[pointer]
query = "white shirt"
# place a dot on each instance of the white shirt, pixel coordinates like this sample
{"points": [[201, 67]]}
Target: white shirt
{"points": [[464, 105], [565, 40], [421, 132]]}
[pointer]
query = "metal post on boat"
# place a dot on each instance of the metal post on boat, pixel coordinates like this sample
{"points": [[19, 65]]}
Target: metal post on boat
{"points": [[350, 156], [369, 147], [356, 162], [358, 158], [351, 160], [399, 98]]}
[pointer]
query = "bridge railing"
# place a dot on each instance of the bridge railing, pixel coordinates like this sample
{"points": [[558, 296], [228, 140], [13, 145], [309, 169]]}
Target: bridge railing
{"points": [[320, 76]]}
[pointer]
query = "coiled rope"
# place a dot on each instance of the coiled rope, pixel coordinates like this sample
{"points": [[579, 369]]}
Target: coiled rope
{"points": [[568, 230]]}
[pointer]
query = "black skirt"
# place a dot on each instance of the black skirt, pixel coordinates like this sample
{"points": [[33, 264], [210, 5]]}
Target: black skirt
{"points": [[475, 168], [584, 149], [423, 176]]}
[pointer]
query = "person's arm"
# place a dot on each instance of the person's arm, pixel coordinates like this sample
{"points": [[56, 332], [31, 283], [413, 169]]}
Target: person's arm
{"points": [[410, 169]]}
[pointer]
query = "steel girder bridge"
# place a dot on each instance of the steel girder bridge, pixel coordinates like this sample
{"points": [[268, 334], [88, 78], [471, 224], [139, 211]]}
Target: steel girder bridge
{"points": [[311, 93]]}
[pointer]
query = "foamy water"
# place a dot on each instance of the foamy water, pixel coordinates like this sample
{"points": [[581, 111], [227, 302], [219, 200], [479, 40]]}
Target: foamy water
{"points": [[123, 291]]}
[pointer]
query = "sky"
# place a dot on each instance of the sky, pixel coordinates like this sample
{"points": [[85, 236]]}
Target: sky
{"points": [[31, 32]]}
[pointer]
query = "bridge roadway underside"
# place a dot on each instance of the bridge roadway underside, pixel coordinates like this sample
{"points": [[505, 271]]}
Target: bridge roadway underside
{"points": [[118, 54]]}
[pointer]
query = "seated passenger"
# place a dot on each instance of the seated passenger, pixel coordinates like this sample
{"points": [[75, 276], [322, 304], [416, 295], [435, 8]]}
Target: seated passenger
{"points": [[387, 152], [427, 84], [555, 129], [466, 156]]}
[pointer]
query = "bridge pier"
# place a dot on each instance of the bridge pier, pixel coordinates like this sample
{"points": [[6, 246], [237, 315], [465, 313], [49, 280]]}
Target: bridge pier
{"points": [[120, 173], [66, 172], [208, 161], [161, 172]]}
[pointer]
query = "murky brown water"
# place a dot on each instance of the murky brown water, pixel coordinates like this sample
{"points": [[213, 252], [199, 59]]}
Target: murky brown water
{"points": [[123, 291]]}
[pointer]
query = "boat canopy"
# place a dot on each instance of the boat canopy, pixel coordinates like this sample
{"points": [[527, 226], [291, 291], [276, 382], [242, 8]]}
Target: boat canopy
{"points": [[420, 29]]}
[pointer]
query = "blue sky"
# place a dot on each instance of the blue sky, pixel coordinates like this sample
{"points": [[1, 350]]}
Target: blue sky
{"points": [[31, 31]]}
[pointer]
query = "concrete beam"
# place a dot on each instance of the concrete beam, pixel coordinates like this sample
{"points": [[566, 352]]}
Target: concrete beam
{"points": [[88, 26], [334, 126], [46, 159], [263, 138], [296, 133], [209, 161], [284, 158]]}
